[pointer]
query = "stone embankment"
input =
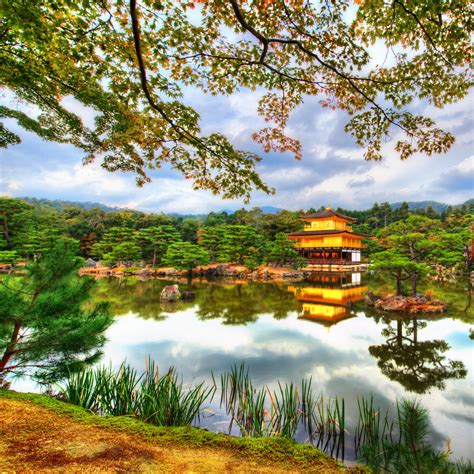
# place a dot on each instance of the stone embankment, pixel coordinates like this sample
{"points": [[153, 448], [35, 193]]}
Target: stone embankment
{"points": [[206, 271], [406, 304]]}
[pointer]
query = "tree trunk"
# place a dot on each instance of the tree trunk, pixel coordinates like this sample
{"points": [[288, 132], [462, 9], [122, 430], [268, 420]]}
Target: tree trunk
{"points": [[399, 283], [469, 294], [414, 283], [10, 350], [154, 258], [399, 332]]}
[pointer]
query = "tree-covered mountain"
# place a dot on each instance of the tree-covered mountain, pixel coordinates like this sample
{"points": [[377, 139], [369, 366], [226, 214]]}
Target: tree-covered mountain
{"points": [[60, 204], [439, 207]]}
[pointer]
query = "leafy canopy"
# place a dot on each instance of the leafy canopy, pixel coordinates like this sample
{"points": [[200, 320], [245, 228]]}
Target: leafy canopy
{"points": [[129, 63]]}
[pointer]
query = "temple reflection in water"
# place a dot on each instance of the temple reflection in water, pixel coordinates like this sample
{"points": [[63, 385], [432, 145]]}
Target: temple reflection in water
{"points": [[328, 297]]}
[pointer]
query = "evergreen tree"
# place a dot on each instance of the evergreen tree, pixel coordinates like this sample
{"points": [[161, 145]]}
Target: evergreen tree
{"points": [[240, 243], [113, 237], [431, 213], [12, 214], [282, 251], [410, 238], [123, 253], [399, 266], [215, 219], [185, 256], [9, 256], [211, 239], [403, 211], [385, 213], [188, 229], [155, 240], [45, 328]]}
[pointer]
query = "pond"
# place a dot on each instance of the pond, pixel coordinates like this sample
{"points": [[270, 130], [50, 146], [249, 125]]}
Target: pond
{"points": [[320, 328]]}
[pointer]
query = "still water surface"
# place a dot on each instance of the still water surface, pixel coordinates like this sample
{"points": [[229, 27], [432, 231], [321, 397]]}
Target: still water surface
{"points": [[320, 329]]}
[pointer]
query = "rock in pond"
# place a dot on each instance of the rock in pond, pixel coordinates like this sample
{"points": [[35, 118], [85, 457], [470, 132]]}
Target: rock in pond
{"points": [[170, 293], [188, 295], [411, 304], [371, 298]]}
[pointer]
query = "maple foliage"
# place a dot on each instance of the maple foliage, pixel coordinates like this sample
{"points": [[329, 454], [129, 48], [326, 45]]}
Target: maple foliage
{"points": [[129, 61]]}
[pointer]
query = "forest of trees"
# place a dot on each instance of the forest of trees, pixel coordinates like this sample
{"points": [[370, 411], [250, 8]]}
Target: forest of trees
{"points": [[406, 243]]}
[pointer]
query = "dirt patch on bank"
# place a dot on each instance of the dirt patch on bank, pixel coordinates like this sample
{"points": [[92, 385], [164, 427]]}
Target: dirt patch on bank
{"points": [[34, 438]]}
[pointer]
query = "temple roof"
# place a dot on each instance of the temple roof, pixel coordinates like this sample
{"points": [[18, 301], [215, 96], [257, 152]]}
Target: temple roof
{"points": [[327, 213], [326, 232], [326, 321]]}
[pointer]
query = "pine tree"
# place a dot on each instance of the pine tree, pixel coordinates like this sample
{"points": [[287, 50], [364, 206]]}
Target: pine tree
{"points": [[282, 251], [123, 253], [186, 256], [155, 240], [45, 328], [240, 243], [113, 237]]}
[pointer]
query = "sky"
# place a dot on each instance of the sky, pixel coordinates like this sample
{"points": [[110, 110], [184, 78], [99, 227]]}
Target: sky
{"points": [[332, 171]]}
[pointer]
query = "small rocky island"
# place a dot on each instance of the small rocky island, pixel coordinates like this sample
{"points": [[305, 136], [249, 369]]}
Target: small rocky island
{"points": [[406, 304]]}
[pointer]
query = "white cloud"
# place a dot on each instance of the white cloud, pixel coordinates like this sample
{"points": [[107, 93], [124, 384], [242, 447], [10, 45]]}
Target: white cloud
{"points": [[93, 176], [466, 166]]}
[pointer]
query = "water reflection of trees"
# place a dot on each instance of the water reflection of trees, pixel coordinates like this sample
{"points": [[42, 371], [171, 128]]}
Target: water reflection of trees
{"points": [[243, 303], [127, 295], [234, 303], [417, 365]]}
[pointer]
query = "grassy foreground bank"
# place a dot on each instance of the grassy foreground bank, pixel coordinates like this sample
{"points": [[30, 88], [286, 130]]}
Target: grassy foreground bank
{"points": [[40, 433]]}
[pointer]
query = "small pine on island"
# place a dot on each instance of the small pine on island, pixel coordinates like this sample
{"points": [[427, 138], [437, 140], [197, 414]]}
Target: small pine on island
{"points": [[328, 242]]}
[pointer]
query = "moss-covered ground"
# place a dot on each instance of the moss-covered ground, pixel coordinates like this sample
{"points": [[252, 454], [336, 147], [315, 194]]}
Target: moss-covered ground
{"points": [[39, 433]]}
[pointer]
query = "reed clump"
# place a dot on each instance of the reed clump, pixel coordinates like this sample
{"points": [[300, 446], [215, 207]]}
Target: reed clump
{"points": [[287, 411], [383, 441], [161, 400]]}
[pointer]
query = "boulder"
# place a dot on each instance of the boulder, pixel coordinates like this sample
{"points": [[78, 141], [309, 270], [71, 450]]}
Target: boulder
{"points": [[144, 272], [170, 293], [188, 295], [371, 298], [392, 303], [293, 274]]}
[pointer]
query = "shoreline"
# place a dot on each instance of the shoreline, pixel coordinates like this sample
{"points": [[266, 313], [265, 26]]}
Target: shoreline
{"points": [[185, 449], [225, 270]]}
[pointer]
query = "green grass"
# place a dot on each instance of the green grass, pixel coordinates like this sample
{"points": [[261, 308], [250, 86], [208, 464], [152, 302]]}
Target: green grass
{"points": [[280, 450]]}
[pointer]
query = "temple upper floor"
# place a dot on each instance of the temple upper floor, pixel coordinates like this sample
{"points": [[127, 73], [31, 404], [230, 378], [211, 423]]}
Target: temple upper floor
{"points": [[327, 224], [327, 219]]}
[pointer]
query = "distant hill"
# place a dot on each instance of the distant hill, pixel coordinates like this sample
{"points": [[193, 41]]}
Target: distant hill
{"points": [[270, 209], [265, 210], [439, 207], [59, 204]]}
